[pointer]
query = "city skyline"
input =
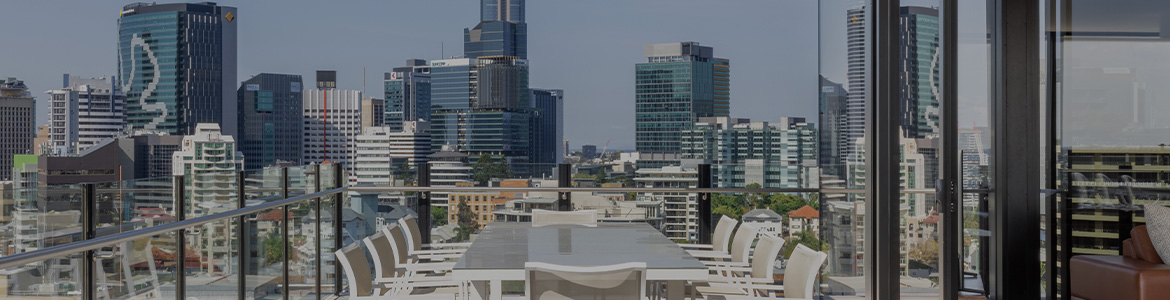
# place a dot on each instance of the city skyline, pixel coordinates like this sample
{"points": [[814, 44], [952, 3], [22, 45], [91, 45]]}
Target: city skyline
{"points": [[268, 44]]}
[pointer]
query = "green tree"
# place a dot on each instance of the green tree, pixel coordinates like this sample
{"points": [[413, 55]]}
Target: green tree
{"points": [[757, 200], [784, 203], [465, 219], [806, 238], [926, 253], [732, 206], [273, 249], [487, 168], [406, 173], [439, 216]]}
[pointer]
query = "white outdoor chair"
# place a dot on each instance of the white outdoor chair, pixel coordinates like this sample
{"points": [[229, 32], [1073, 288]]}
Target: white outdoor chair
{"points": [[406, 255], [741, 246], [625, 281], [388, 270], [799, 275], [719, 238], [362, 286], [409, 226], [542, 217]]}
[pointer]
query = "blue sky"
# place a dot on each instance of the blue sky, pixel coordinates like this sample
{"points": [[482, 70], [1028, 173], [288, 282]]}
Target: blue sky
{"points": [[587, 48]]}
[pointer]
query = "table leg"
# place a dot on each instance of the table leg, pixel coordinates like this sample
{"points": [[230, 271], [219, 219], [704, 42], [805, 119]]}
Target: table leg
{"points": [[676, 289], [497, 289], [477, 290]]}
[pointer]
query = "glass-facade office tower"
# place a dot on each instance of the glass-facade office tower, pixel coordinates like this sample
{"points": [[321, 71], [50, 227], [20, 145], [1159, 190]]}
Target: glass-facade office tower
{"points": [[919, 39], [673, 89], [270, 118], [408, 94], [177, 66], [481, 106], [548, 126], [17, 127], [501, 30], [832, 139]]}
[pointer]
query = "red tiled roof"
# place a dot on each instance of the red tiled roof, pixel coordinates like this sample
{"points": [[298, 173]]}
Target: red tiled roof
{"points": [[805, 212], [272, 215]]}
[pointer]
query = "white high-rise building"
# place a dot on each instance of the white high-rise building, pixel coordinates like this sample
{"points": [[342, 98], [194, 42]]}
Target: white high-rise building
{"points": [[381, 152], [209, 160], [448, 168], [332, 119], [853, 122], [680, 221], [86, 111]]}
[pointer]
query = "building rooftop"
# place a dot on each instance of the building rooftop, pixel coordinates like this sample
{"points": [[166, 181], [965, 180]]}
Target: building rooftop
{"points": [[805, 212], [761, 214]]}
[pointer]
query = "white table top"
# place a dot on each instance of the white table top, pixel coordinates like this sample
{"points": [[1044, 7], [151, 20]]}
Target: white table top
{"points": [[501, 250]]}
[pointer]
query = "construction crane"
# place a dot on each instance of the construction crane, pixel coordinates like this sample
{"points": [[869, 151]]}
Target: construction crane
{"points": [[603, 149]]}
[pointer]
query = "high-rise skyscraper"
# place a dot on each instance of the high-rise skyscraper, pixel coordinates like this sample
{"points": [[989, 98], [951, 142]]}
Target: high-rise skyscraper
{"points": [[853, 122], [919, 40], [408, 94], [271, 120], [832, 136], [722, 87], [373, 110], [501, 30], [548, 127], [919, 82], [92, 110], [177, 66], [18, 124], [481, 106], [332, 118], [673, 89]]}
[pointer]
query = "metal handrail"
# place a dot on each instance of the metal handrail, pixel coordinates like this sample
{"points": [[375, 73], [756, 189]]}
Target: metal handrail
{"points": [[622, 190], [92, 244]]}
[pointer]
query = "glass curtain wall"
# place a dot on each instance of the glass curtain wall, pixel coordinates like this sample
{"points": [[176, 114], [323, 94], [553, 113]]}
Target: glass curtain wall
{"points": [[1108, 75]]}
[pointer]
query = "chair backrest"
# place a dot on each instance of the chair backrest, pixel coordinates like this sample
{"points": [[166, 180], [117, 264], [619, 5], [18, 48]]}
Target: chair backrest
{"points": [[801, 272], [722, 234], [398, 242], [353, 261], [410, 226], [625, 281], [385, 260], [741, 244], [542, 217], [764, 259]]}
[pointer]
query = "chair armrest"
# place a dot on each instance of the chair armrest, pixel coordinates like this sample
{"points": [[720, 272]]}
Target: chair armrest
{"points": [[396, 280], [439, 251], [446, 245], [1117, 277], [717, 264], [427, 267], [695, 246], [708, 254], [435, 256], [752, 286]]}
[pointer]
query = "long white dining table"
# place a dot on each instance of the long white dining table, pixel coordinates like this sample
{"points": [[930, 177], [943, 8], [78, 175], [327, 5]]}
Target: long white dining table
{"points": [[499, 252]]}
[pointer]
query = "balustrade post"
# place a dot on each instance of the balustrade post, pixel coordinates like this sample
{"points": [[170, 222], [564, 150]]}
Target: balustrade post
{"points": [[89, 229], [564, 180], [704, 202], [241, 230], [338, 224], [180, 210], [423, 205]]}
